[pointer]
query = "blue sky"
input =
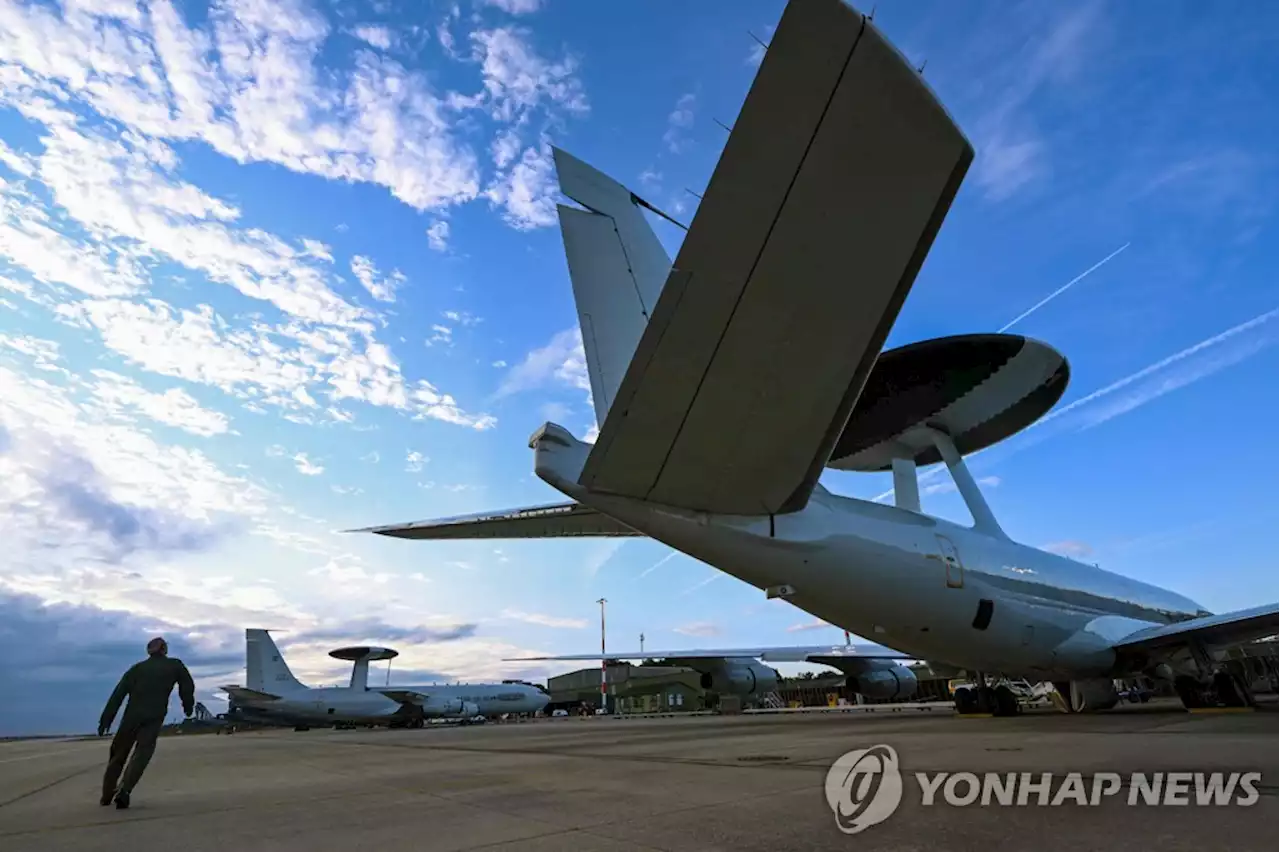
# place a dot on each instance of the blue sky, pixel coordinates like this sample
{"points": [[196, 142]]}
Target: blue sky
{"points": [[271, 270]]}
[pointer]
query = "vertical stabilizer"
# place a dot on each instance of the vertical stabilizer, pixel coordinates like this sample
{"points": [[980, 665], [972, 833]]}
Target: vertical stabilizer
{"points": [[617, 266], [265, 668]]}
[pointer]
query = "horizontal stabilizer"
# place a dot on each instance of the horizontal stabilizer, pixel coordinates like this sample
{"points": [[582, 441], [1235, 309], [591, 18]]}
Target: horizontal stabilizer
{"points": [[553, 521], [800, 654], [1215, 631], [826, 199], [241, 693]]}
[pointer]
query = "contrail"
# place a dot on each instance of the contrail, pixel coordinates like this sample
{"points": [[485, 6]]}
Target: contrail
{"points": [[1169, 384], [927, 475], [663, 561], [716, 576], [1056, 293]]}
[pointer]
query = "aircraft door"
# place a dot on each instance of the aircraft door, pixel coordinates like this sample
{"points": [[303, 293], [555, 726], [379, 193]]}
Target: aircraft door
{"points": [[951, 563]]}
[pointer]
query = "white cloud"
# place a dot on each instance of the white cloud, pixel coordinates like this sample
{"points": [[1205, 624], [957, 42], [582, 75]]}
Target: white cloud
{"points": [[438, 235], [305, 466], [514, 7], [698, 628], [173, 407], [562, 360], [462, 318], [545, 620], [756, 55], [440, 334], [1072, 549], [1011, 153], [815, 624], [381, 287], [678, 122], [517, 80], [75, 487], [43, 353], [414, 460], [375, 36], [527, 192]]}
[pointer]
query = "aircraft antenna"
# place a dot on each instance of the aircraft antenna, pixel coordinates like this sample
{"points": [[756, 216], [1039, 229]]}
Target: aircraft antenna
{"points": [[727, 128], [635, 199], [758, 39]]}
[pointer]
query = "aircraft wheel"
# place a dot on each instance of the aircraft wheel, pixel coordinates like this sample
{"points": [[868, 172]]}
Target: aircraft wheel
{"points": [[987, 700], [1230, 691], [1006, 702], [1188, 691], [966, 700]]}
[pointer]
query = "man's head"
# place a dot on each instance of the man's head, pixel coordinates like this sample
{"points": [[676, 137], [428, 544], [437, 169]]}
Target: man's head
{"points": [[157, 647]]}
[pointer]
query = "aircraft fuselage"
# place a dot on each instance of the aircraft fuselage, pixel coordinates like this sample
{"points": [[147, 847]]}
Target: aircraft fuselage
{"points": [[911, 581]]}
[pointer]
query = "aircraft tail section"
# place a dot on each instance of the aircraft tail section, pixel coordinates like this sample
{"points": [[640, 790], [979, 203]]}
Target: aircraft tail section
{"points": [[265, 668], [617, 266]]}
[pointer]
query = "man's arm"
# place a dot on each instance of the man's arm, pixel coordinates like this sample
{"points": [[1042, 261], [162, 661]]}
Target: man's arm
{"points": [[113, 703], [186, 689]]}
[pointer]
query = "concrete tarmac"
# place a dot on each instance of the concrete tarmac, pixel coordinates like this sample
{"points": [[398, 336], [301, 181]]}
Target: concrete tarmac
{"points": [[708, 783]]}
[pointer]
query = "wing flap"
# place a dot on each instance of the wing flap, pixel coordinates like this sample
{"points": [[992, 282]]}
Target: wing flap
{"points": [[1227, 629], [557, 520], [829, 192]]}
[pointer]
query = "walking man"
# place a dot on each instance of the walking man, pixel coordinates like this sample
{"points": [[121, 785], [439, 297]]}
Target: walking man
{"points": [[147, 685]]}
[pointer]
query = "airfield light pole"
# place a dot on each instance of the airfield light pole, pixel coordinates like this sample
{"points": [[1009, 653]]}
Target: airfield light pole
{"points": [[642, 644], [604, 696]]}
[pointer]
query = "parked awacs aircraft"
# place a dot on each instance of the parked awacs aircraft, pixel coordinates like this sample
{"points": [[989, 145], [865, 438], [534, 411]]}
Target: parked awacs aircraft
{"points": [[272, 695], [724, 384]]}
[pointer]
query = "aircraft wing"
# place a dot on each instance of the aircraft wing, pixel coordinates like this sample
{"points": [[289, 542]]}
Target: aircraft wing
{"points": [[805, 654], [552, 521], [404, 696], [831, 188], [1230, 628], [245, 694]]}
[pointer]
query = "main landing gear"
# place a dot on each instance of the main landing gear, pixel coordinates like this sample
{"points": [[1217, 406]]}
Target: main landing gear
{"points": [[1215, 687], [1222, 690], [982, 698]]}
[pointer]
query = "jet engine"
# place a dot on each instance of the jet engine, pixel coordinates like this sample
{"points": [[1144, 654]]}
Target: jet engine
{"points": [[447, 707], [1092, 694], [736, 678], [884, 681]]}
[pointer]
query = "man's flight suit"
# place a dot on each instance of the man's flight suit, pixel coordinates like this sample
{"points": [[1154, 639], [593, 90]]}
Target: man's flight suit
{"points": [[147, 685]]}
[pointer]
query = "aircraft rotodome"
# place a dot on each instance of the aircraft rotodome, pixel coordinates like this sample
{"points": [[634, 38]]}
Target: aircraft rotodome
{"points": [[726, 381]]}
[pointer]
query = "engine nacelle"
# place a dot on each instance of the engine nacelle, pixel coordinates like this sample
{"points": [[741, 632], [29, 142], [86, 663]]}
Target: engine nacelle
{"points": [[740, 679], [885, 682], [1091, 694], [449, 707]]}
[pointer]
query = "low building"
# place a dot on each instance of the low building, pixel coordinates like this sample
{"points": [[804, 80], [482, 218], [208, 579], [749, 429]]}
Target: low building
{"points": [[631, 689]]}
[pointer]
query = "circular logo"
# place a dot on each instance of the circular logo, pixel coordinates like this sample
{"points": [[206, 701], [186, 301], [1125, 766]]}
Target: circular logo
{"points": [[864, 787]]}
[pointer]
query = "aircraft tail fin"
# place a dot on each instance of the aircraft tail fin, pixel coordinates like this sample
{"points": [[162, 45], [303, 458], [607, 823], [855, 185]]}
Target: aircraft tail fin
{"points": [[265, 668], [617, 266]]}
